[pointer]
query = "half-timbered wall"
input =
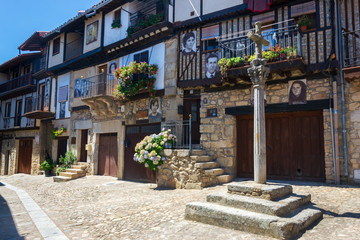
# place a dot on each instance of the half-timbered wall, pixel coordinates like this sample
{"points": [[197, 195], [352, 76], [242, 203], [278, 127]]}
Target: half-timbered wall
{"points": [[317, 43]]}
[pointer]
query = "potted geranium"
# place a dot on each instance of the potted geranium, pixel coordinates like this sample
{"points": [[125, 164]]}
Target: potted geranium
{"points": [[304, 22], [48, 165]]}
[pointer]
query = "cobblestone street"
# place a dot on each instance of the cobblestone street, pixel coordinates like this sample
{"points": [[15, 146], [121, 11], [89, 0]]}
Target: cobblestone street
{"points": [[98, 207]]}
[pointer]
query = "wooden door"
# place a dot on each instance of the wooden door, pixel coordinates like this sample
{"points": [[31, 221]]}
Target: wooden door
{"points": [[84, 140], [108, 155], [102, 80], [192, 106], [294, 145], [62, 147], [133, 170], [25, 153]]}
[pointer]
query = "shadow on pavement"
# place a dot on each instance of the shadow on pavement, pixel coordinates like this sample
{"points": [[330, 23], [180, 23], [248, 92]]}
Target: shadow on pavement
{"points": [[8, 229]]}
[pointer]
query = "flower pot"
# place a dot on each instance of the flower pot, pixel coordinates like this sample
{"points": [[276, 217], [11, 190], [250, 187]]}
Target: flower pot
{"points": [[48, 173], [303, 28]]}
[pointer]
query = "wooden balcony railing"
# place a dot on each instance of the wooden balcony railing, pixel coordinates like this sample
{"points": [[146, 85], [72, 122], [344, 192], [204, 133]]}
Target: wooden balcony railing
{"points": [[15, 85]]}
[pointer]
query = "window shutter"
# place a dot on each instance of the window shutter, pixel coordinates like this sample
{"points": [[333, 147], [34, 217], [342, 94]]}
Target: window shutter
{"points": [[210, 32], [302, 9]]}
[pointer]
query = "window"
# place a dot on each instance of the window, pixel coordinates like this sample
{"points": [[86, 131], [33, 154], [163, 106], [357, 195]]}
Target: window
{"points": [[208, 37], [26, 69], [56, 46], [18, 113], [28, 104], [307, 10], [142, 57], [7, 110], [117, 15]]}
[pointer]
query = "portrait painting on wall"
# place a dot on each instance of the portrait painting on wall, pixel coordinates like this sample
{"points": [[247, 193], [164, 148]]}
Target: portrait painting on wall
{"points": [[211, 65], [47, 94], [155, 110], [189, 43], [84, 87], [91, 32], [297, 92], [112, 67], [62, 110], [77, 88], [63, 93], [130, 113]]}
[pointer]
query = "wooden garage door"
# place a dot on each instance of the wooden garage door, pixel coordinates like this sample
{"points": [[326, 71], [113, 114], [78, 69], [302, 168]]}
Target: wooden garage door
{"points": [[25, 152], [294, 146], [133, 170], [108, 155]]}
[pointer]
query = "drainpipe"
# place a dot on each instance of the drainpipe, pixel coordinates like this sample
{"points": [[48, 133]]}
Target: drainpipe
{"points": [[339, 29], [335, 132]]}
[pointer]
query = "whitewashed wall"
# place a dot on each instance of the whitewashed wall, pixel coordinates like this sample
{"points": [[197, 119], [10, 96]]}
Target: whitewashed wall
{"points": [[112, 35], [156, 56], [63, 80]]}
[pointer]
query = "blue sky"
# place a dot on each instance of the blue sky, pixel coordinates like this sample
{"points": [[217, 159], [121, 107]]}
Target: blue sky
{"points": [[20, 19]]}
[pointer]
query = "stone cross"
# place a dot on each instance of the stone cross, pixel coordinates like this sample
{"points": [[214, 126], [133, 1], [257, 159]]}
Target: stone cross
{"points": [[258, 74]]}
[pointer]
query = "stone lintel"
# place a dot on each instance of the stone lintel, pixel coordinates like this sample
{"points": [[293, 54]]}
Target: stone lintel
{"points": [[268, 191]]}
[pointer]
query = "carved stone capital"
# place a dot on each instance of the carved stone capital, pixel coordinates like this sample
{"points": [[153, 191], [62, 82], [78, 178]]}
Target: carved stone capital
{"points": [[258, 72]]}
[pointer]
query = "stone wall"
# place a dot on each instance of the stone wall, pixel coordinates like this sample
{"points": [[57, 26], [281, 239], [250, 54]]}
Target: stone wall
{"points": [[352, 107], [178, 171], [218, 134]]}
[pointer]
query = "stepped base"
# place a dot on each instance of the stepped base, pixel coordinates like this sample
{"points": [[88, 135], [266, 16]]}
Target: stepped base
{"points": [[248, 206], [223, 216], [267, 191]]}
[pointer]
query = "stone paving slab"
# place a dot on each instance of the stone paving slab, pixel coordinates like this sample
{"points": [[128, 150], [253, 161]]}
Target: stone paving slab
{"points": [[99, 207]]}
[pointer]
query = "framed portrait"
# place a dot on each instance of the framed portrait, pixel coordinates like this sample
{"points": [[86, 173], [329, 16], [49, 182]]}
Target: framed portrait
{"points": [[62, 110], [297, 92], [155, 114], [77, 88], [211, 65], [189, 43], [92, 32], [63, 93], [84, 87], [112, 66], [47, 94]]}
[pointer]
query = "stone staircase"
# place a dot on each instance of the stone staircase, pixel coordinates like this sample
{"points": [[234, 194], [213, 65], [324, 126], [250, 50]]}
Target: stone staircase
{"points": [[212, 173], [76, 171], [268, 209]]}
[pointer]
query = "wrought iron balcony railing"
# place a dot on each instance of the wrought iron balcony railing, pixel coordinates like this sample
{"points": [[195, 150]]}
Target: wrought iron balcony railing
{"points": [[351, 46], [99, 85], [37, 103], [152, 7], [182, 131], [242, 46]]}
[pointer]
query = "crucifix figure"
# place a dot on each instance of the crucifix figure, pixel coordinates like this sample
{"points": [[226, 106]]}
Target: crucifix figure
{"points": [[258, 74]]}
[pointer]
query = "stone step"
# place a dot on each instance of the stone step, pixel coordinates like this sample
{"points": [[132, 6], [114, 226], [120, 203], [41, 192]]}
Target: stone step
{"points": [[78, 167], [61, 179], [197, 152], [274, 226], [68, 174], [206, 165], [277, 208], [202, 158], [225, 178], [268, 191], [81, 163], [214, 171], [73, 170]]}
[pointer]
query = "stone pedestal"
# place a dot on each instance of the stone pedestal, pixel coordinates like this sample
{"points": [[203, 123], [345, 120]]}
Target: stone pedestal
{"points": [[267, 209]]}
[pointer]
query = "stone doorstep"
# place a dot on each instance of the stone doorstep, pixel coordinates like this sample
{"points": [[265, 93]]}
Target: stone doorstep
{"points": [[238, 219], [83, 167], [61, 179], [277, 208], [68, 174], [197, 152], [214, 171], [225, 178], [206, 165], [268, 191], [200, 158], [73, 170]]}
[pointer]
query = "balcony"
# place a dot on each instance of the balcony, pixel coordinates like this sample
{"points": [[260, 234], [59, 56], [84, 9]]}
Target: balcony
{"points": [[140, 31], [18, 123], [97, 93], [74, 48], [21, 85], [351, 53], [38, 108]]}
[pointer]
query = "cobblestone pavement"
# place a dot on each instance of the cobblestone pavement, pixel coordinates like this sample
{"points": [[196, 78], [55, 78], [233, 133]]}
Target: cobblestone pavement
{"points": [[99, 207]]}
